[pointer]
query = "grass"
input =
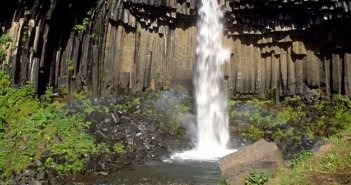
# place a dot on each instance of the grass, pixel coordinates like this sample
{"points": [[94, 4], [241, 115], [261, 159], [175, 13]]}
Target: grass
{"points": [[334, 167]]}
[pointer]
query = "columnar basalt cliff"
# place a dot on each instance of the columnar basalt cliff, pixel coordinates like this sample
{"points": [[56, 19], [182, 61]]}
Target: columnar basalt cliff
{"points": [[108, 46]]}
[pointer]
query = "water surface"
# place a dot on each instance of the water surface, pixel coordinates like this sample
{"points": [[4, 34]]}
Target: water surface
{"points": [[178, 173]]}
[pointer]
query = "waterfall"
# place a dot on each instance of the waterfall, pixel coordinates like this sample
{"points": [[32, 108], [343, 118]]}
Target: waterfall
{"points": [[212, 116]]}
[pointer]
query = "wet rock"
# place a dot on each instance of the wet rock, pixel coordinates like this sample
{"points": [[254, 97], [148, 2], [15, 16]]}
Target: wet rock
{"points": [[141, 127], [35, 182], [53, 181], [103, 173], [171, 132], [22, 147], [115, 118], [100, 136], [38, 163], [125, 119], [41, 175], [108, 120], [28, 173]]}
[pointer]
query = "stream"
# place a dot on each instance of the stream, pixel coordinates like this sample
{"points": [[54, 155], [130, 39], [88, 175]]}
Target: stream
{"points": [[177, 173]]}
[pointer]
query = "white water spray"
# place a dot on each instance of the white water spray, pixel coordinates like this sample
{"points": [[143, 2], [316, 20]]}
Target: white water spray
{"points": [[212, 116]]}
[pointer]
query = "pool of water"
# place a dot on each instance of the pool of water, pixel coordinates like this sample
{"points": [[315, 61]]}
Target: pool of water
{"points": [[177, 173]]}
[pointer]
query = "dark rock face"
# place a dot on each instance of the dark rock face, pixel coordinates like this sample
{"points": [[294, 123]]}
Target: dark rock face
{"points": [[298, 47]]}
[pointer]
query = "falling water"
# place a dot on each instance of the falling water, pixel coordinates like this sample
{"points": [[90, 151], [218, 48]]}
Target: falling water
{"points": [[212, 116]]}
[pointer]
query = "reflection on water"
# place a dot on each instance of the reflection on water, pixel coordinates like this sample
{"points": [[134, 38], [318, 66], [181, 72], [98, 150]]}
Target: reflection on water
{"points": [[180, 173]]}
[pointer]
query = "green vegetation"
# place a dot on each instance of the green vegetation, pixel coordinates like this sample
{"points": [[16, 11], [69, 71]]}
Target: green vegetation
{"points": [[32, 131], [118, 148], [103, 148], [128, 105], [292, 118], [297, 158], [57, 136], [221, 182], [4, 40], [71, 65], [332, 168], [85, 23], [256, 178], [29, 129]]}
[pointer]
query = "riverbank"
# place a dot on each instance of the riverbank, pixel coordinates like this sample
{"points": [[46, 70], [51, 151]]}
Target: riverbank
{"points": [[63, 136], [333, 166]]}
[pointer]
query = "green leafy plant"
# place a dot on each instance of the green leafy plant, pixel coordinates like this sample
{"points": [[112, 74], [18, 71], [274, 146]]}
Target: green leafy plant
{"points": [[81, 95], [63, 89], [103, 147], [260, 103], [221, 182], [49, 93], [122, 107], [118, 148], [253, 133], [256, 178], [79, 27], [4, 39], [71, 65], [297, 158], [83, 26], [331, 162], [28, 128]]}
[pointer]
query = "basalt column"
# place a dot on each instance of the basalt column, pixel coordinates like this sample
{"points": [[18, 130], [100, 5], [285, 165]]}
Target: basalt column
{"points": [[114, 46]]}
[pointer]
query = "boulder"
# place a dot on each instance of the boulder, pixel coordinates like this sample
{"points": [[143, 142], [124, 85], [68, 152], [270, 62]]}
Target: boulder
{"points": [[261, 155], [321, 147]]}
